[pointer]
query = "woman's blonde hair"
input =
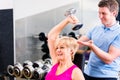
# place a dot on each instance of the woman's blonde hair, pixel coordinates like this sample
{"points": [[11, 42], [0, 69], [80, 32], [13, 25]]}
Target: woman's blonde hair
{"points": [[69, 42]]}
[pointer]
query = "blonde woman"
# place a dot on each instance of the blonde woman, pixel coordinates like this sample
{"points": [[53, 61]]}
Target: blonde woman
{"points": [[62, 51]]}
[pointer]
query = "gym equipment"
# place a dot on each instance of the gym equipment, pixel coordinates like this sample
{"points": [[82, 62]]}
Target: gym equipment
{"points": [[47, 65], [42, 36], [28, 71], [29, 68], [36, 70], [39, 73], [72, 11], [18, 70], [10, 70], [48, 61], [38, 63], [27, 62]]}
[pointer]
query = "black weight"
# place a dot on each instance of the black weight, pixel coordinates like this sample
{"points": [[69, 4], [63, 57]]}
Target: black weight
{"points": [[77, 26]]}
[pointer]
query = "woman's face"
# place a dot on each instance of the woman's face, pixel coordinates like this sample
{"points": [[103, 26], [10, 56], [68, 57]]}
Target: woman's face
{"points": [[63, 52]]}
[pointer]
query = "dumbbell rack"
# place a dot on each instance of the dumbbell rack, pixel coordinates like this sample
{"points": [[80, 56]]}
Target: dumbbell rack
{"points": [[30, 70]]}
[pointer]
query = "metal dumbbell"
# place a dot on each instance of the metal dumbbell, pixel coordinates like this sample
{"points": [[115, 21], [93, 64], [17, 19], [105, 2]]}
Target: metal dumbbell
{"points": [[48, 61], [10, 70], [39, 73], [29, 68], [28, 71], [38, 63], [27, 62], [72, 11], [18, 70], [47, 65]]}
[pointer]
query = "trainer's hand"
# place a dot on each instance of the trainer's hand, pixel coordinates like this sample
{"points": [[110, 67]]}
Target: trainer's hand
{"points": [[86, 43]]}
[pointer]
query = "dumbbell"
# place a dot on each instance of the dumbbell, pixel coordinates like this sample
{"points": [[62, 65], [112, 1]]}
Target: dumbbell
{"points": [[40, 72], [38, 63], [48, 61], [47, 65], [42, 36], [28, 69], [18, 70], [72, 11], [27, 62], [10, 70]]}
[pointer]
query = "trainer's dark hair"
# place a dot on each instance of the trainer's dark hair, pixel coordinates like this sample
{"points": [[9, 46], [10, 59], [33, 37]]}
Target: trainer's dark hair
{"points": [[112, 5]]}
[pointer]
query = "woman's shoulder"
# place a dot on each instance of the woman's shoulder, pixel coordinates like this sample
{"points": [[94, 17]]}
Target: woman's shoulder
{"points": [[77, 74], [77, 70]]}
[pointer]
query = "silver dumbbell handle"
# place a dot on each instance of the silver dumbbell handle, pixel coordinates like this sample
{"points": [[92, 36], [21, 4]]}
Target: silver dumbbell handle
{"points": [[72, 11]]}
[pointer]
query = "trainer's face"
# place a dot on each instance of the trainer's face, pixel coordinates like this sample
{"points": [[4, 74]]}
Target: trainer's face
{"points": [[106, 16]]}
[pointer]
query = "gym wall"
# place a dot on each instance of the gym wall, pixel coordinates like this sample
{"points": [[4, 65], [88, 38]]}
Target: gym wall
{"points": [[6, 37]]}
